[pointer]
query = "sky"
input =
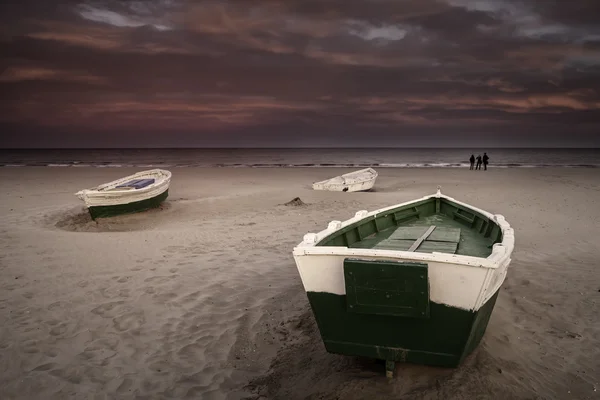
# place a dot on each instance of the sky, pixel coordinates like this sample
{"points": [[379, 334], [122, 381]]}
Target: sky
{"points": [[309, 73]]}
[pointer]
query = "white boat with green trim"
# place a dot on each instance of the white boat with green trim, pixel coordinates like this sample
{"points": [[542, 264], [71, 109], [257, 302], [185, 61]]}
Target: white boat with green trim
{"points": [[356, 181], [415, 282], [133, 193]]}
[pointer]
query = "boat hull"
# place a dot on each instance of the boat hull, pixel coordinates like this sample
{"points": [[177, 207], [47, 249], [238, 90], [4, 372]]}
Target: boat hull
{"points": [[341, 187], [128, 208], [444, 339]]}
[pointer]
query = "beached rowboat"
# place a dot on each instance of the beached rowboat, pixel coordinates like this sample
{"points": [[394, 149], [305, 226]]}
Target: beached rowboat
{"points": [[415, 282], [133, 193], [356, 181]]}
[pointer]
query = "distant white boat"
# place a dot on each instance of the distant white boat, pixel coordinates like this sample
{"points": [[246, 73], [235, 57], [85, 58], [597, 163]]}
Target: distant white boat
{"points": [[356, 181], [133, 193]]}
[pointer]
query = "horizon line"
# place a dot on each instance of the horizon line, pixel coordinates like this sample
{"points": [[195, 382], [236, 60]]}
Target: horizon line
{"points": [[295, 148]]}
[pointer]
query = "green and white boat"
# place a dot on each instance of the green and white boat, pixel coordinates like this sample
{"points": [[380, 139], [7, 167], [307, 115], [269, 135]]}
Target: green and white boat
{"points": [[415, 282], [133, 193]]}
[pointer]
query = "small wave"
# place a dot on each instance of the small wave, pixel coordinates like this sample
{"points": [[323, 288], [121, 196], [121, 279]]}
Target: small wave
{"points": [[583, 165]]}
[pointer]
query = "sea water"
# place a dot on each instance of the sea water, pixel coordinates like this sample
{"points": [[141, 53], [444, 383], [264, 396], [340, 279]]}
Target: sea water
{"points": [[300, 157]]}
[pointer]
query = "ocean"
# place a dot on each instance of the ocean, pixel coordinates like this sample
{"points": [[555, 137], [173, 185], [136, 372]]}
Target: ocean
{"points": [[300, 157]]}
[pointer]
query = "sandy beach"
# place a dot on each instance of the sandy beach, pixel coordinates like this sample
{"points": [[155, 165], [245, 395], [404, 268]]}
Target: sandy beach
{"points": [[201, 299]]}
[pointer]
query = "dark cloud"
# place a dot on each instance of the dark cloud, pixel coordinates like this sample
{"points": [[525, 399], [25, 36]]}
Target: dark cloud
{"points": [[235, 70]]}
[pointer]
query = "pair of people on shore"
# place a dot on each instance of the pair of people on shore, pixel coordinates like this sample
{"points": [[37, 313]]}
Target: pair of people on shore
{"points": [[480, 160]]}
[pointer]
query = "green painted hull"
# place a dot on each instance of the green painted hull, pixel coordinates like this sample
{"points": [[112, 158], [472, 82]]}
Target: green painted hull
{"points": [[137, 206], [445, 338]]}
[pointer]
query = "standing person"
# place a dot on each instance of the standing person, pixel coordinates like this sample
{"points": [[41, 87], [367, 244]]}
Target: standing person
{"points": [[472, 160], [485, 161], [478, 166]]}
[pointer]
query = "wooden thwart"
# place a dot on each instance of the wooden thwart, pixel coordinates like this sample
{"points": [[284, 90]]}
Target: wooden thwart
{"points": [[420, 239], [440, 234], [418, 242], [425, 247]]}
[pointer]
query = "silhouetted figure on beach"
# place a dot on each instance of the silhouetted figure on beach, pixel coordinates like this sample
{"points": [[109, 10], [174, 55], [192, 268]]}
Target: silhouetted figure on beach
{"points": [[478, 166], [485, 161], [472, 160]]}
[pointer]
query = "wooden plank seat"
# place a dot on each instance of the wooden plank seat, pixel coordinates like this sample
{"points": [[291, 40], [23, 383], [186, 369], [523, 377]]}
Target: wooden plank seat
{"points": [[422, 239], [137, 183]]}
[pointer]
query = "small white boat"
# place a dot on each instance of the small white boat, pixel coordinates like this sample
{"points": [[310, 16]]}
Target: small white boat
{"points": [[356, 181], [133, 193]]}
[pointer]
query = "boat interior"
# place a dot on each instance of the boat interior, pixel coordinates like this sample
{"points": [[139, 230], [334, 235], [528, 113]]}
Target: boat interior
{"points": [[137, 183], [427, 226], [134, 184]]}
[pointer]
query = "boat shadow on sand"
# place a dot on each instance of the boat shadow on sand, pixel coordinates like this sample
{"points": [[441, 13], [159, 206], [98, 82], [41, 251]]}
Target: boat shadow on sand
{"points": [[78, 219], [303, 369]]}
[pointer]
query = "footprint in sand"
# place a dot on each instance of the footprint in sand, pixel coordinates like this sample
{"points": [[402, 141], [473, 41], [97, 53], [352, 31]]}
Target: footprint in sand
{"points": [[189, 298], [125, 386], [175, 249], [164, 297], [69, 374], [160, 279], [59, 330], [191, 352], [109, 310], [31, 347], [97, 354], [150, 385], [100, 349], [12, 287], [45, 367], [51, 353], [133, 320], [56, 305]]}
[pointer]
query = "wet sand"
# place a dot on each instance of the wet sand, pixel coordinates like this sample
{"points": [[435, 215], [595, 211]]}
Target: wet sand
{"points": [[201, 298]]}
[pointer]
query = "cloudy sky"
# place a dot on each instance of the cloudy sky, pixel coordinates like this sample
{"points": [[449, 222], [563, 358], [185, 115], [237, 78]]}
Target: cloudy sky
{"points": [[300, 73]]}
